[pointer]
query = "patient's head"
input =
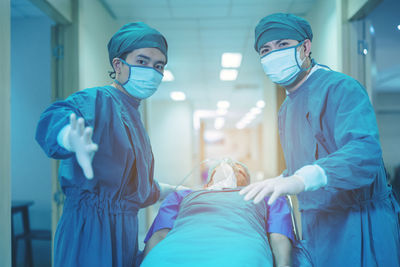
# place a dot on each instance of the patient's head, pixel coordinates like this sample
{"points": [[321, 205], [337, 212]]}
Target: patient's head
{"points": [[228, 174]]}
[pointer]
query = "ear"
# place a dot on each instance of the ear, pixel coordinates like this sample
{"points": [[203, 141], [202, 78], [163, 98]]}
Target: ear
{"points": [[307, 47], [117, 65]]}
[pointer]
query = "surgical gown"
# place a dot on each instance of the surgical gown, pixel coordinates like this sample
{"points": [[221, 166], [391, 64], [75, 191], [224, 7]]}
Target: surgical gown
{"points": [[216, 228], [99, 224], [353, 220]]}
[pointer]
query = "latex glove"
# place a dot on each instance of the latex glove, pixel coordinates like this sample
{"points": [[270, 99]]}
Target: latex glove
{"points": [[166, 189], [273, 187], [78, 138]]}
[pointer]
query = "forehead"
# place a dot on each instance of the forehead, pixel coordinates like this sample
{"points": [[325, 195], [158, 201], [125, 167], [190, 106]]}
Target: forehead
{"points": [[150, 52], [275, 42]]}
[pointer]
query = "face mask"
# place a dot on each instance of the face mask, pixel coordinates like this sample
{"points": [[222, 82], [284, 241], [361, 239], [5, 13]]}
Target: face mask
{"points": [[224, 177], [283, 66], [142, 81]]}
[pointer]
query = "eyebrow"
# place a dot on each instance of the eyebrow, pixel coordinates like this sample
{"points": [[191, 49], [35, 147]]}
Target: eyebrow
{"points": [[149, 59], [276, 42]]}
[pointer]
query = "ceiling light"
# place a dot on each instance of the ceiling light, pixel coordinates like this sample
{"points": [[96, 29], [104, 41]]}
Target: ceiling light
{"points": [[231, 60], [223, 104], [168, 76], [255, 111], [240, 125], [250, 116], [398, 27], [260, 104], [222, 112], [219, 123], [228, 74], [177, 96], [365, 51]]}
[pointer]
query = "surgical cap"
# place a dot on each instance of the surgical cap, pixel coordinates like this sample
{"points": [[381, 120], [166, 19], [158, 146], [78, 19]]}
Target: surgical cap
{"points": [[134, 36], [280, 26]]}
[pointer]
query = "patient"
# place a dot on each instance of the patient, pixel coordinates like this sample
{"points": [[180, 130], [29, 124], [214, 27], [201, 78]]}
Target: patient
{"points": [[216, 227]]}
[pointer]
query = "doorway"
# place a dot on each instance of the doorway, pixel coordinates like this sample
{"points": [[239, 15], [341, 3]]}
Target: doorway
{"points": [[31, 93]]}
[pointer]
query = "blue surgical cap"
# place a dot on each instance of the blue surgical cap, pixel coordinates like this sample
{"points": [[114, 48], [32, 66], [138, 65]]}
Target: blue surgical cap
{"points": [[134, 36], [280, 26]]}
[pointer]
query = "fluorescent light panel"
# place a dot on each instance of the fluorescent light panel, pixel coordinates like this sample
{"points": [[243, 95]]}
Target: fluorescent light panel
{"points": [[223, 104], [228, 74], [260, 104], [177, 96], [231, 60], [221, 112]]}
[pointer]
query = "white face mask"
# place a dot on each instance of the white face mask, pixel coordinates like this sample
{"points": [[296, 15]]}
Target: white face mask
{"points": [[283, 66], [224, 177], [142, 81]]}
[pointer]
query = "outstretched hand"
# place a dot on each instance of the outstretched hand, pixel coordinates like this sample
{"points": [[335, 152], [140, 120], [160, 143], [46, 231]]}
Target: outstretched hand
{"points": [[80, 141], [273, 187]]}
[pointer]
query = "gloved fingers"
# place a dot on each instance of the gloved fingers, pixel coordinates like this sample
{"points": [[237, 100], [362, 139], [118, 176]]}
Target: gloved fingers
{"points": [[87, 135], [247, 189], [80, 126], [274, 196], [86, 165], [88, 171], [263, 193], [93, 147], [72, 121], [257, 188]]}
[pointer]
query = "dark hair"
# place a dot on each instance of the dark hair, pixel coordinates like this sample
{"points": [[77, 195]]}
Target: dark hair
{"points": [[112, 73]]}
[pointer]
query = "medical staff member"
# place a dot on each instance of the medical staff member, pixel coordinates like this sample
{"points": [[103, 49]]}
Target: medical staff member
{"points": [[106, 169], [334, 163]]}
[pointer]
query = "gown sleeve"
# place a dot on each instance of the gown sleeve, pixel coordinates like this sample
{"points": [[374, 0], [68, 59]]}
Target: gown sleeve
{"points": [[357, 155], [279, 218], [54, 118]]}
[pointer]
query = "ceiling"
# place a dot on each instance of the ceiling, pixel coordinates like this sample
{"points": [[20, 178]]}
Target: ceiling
{"points": [[198, 32]]}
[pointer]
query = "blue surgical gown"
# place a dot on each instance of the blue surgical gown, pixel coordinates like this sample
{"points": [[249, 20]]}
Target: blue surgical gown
{"points": [[99, 224], [353, 220], [216, 228]]}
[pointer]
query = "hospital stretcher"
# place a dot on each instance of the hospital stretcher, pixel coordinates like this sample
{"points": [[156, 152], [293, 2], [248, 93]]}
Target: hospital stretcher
{"points": [[301, 257]]}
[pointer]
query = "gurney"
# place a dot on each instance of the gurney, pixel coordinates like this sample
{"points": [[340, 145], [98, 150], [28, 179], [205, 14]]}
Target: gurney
{"points": [[300, 256]]}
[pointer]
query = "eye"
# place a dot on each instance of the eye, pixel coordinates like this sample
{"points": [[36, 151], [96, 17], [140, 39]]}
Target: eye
{"points": [[283, 44], [264, 51], [160, 67], [141, 62]]}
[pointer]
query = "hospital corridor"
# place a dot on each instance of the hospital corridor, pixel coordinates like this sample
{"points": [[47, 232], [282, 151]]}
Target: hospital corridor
{"points": [[200, 133]]}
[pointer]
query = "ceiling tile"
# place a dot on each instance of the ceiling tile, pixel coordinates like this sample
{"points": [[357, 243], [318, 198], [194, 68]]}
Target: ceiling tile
{"points": [[258, 11], [196, 3], [199, 12], [128, 11], [136, 3]]}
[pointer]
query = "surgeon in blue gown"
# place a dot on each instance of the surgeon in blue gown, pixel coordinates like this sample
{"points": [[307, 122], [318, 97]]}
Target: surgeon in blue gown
{"points": [[334, 163], [106, 169]]}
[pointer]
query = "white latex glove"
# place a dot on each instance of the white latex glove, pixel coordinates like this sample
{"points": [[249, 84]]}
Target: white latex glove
{"points": [[78, 138], [275, 187], [166, 189]]}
